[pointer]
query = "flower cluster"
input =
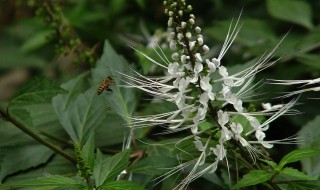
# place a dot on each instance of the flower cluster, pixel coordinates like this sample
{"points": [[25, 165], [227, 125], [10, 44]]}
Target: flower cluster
{"points": [[194, 83]]}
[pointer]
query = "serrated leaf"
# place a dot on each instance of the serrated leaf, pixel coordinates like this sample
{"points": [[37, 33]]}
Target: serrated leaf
{"points": [[22, 158], [297, 155], [296, 173], [106, 169], [37, 90], [88, 151], [122, 185], [121, 100], [79, 113], [252, 178], [48, 181], [298, 12], [311, 135]]}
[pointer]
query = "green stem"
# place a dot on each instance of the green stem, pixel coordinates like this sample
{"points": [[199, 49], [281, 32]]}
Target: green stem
{"points": [[36, 137]]}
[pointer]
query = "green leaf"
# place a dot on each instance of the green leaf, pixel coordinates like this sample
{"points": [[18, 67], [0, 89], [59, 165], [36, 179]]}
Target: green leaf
{"points": [[106, 169], [122, 185], [49, 181], [22, 116], [304, 185], [37, 90], [310, 60], [295, 11], [252, 178], [296, 173], [11, 136], [88, 151], [270, 163], [111, 130], [121, 100], [154, 165], [253, 33], [35, 41], [311, 135], [22, 158], [79, 114], [297, 155]]}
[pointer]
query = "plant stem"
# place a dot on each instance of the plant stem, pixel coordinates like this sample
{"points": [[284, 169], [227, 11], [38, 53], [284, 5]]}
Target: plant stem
{"points": [[36, 137]]}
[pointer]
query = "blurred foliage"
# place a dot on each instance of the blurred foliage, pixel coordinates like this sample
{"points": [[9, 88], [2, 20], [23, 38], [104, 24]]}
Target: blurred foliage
{"points": [[64, 40]]}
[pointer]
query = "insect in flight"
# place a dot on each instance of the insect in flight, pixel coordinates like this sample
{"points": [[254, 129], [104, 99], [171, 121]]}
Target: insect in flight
{"points": [[105, 85]]}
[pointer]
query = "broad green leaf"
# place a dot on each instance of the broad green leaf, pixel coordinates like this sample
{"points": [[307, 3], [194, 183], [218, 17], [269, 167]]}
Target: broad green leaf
{"points": [[107, 169], [48, 181], [22, 158], [88, 151], [82, 116], [121, 100], [22, 116], [296, 173], [297, 155], [252, 178], [79, 113], [11, 136], [295, 11], [37, 90], [311, 135], [304, 185], [58, 165], [154, 165], [111, 130], [46, 121], [122, 185]]}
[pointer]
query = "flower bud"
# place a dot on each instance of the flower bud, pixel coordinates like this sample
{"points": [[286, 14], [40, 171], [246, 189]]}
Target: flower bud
{"points": [[173, 45], [191, 21], [188, 35], [200, 41], [183, 25], [205, 49], [198, 29]]}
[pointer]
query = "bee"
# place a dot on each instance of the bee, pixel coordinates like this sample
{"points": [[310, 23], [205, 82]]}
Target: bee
{"points": [[105, 85]]}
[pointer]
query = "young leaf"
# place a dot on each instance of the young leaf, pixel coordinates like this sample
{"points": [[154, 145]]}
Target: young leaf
{"points": [[48, 181], [297, 155], [298, 12], [22, 158], [88, 151], [252, 178], [270, 163], [37, 90], [106, 169], [122, 185], [296, 173]]}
